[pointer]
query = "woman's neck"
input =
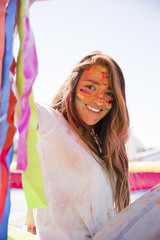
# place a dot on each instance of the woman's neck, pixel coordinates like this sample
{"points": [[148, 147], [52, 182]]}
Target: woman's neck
{"points": [[86, 133], [91, 137]]}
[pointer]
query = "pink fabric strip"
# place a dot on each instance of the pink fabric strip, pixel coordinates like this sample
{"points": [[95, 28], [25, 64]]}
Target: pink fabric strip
{"points": [[143, 180], [30, 70]]}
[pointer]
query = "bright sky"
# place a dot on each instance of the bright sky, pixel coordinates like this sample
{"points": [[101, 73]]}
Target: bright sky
{"points": [[128, 31]]}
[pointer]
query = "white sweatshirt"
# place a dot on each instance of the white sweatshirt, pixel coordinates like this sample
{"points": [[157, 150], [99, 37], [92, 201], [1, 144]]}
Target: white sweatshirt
{"points": [[77, 186]]}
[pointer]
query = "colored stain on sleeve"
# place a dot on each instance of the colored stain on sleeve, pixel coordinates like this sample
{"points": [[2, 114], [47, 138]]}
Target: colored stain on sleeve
{"points": [[101, 165], [158, 201], [91, 211]]}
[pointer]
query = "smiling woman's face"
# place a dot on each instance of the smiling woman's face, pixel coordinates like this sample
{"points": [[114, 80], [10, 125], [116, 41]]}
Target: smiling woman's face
{"points": [[94, 96]]}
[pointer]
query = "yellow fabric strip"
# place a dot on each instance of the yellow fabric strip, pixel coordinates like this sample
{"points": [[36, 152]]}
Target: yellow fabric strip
{"points": [[32, 178], [144, 166]]}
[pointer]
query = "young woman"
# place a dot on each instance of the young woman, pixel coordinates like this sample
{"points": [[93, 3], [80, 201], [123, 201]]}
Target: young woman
{"points": [[81, 144], [93, 101]]}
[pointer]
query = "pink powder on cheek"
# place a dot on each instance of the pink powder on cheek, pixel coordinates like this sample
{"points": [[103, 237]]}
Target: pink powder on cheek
{"points": [[83, 95], [109, 101], [84, 91]]}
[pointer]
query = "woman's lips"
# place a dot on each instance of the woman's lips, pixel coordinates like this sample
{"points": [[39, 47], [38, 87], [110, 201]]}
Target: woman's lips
{"points": [[96, 110]]}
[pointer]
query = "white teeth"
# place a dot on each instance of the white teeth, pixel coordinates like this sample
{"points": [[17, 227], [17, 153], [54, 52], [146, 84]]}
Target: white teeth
{"points": [[93, 109]]}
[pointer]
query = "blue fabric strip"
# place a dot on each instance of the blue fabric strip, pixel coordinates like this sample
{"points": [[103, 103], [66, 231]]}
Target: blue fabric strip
{"points": [[5, 93]]}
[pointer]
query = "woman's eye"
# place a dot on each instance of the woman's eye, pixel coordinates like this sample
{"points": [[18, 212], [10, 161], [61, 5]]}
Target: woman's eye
{"points": [[110, 94], [90, 87]]}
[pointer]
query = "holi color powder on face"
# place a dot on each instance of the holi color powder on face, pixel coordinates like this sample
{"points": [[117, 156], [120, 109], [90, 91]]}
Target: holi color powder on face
{"points": [[109, 108], [158, 201], [99, 97], [78, 98], [84, 91], [105, 75], [109, 102], [84, 94]]}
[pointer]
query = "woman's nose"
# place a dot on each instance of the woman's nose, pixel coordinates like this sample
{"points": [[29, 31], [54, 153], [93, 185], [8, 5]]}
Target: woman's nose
{"points": [[99, 98]]}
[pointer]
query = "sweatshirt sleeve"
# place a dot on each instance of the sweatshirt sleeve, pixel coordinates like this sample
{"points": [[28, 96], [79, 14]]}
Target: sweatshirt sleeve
{"points": [[47, 118]]}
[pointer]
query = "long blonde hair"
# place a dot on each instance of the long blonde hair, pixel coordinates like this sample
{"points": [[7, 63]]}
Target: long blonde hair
{"points": [[112, 130]]}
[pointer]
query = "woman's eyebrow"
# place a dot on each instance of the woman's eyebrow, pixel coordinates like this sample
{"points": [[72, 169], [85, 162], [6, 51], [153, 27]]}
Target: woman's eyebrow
{"points": [[92, 81]]}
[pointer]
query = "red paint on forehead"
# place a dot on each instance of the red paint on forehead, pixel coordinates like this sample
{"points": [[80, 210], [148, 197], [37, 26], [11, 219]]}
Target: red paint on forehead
{"points": [[96, 73], [104, 77], [105, 73]]}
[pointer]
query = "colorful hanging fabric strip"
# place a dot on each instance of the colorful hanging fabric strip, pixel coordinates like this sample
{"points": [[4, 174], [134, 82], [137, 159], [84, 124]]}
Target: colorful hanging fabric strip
{"points": [[2, 36], [7, 128], [27, 155]]}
